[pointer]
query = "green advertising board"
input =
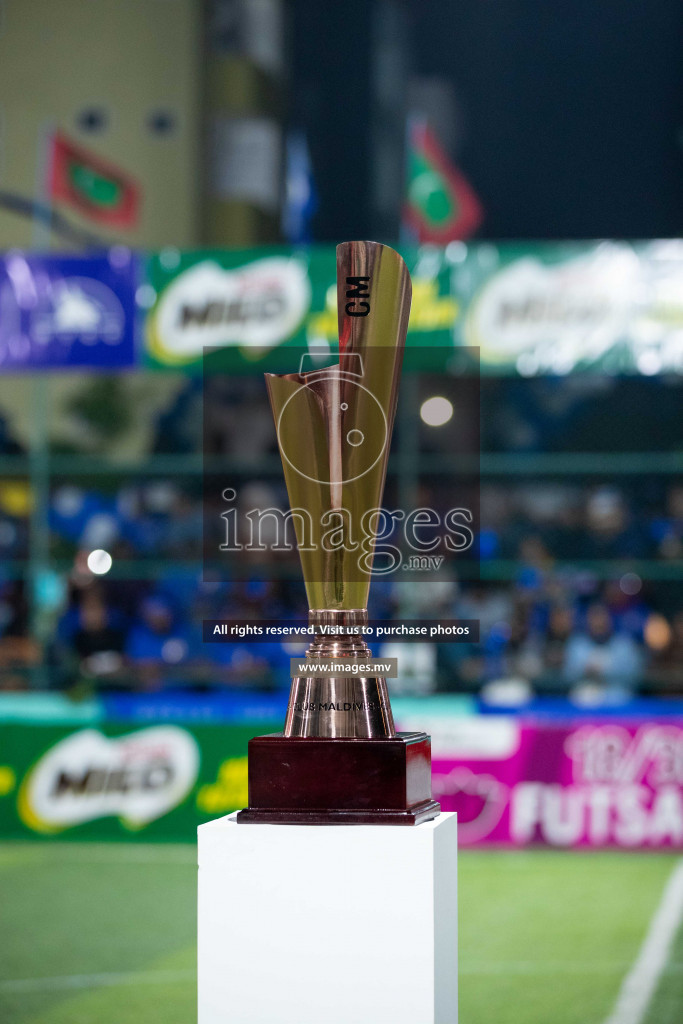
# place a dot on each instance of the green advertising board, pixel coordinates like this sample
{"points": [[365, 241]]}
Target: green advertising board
{"points": [[253, 303], [120, 781], [529, 308], [77, 770]]}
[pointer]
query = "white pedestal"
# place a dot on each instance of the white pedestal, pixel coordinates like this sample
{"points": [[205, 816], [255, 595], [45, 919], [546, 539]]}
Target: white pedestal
{"points": [[317, 924]]}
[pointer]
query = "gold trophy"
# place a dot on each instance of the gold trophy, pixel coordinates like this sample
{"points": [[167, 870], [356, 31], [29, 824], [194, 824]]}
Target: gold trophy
{"points": [[339, 758]]}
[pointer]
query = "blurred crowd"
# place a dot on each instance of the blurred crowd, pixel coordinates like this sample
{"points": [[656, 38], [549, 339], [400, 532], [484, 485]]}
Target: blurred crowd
{"points": [[162, 518], [546, 632], [581, 593]]}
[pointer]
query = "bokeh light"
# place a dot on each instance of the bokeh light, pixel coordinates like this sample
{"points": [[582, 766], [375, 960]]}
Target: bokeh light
{"points": [[436, 411]]}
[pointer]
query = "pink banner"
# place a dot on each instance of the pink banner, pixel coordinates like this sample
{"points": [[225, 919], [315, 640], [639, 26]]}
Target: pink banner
{"points": [[587, 785]]}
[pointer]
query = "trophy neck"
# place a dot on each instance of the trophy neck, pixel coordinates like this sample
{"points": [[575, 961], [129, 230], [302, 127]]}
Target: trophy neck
{"points": [[338, 645], [339, 707]]}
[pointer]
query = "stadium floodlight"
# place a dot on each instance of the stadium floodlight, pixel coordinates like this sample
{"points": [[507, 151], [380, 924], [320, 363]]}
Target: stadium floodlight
{"points": [[436, 411], [99, 562]]}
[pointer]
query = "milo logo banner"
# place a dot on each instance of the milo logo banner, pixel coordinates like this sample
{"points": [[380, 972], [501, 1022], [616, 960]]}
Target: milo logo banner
{"points": [[591, 785], [556, 308], [249, 303], [137, 778], [112, 780]]}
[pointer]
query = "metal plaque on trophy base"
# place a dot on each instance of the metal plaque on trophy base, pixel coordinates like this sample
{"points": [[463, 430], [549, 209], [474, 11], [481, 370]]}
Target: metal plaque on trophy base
{"points": [[339, 759]]}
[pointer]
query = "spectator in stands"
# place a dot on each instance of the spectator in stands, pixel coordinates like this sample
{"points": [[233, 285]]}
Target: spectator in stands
{"points": [[668, 530], [666, 643], [97, 642], [183, 533], [626, 605], [248, 663], [610, 529], [539, 653], [158, 643], [558, 636], [19, 652], [489, 605], [601, 662]]}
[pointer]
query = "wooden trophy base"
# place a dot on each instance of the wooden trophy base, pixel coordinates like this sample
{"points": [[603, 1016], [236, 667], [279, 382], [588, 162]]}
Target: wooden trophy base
{"points": [[296, 781]]}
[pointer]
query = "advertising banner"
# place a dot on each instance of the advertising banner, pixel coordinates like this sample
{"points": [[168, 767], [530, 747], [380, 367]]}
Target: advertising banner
{"points": [[512, 782], [592, 784], [120, 781], [530, 308], [559, 308], [255, 301], [60, 312]]}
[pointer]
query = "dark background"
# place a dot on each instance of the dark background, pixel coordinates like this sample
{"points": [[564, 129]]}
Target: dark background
{"points": [[570, 116]]}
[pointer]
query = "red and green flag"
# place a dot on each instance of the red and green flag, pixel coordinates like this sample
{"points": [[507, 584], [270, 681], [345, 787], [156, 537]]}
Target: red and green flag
{"points": [[93, 186], [441, 206]]}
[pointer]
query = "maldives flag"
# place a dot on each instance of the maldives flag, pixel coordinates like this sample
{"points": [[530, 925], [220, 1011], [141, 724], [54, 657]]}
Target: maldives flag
{"points": [[92, 185], [441, 206]]}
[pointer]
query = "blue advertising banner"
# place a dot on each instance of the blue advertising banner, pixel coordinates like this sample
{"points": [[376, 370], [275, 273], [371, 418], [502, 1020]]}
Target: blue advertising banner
{"points": [[68, 311]]}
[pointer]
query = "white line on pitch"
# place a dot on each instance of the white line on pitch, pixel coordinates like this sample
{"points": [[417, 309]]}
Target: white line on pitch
{"points": [[114, 978], [76, 981], [640, 983]]}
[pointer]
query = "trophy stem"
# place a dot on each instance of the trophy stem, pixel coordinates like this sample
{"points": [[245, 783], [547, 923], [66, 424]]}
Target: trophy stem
{"points": [[339, 707]]}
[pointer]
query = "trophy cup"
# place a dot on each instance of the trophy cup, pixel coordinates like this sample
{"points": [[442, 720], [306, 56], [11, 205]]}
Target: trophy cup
{"points": [[339, 758]]}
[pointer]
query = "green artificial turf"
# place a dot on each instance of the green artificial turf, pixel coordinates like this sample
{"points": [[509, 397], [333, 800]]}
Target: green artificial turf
{"points": [[546, 937], [105, 934], [667, 1005]]}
